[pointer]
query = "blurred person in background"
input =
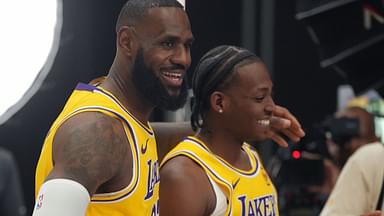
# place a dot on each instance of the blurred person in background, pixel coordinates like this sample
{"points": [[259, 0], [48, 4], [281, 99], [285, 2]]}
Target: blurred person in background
{"points": [[11, 196], [347, 131], [307, 173], [344, 146], [358, 188]]}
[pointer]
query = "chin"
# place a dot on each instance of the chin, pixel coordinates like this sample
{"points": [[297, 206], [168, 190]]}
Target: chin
{"points": [[173, 92]]}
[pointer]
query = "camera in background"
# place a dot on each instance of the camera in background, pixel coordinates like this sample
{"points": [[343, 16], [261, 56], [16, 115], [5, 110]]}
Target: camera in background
{"points": [[301, 166]]}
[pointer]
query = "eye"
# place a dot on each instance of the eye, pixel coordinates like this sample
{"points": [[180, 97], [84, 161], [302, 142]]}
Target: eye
{"points": [[259, 98], [167, 44]]}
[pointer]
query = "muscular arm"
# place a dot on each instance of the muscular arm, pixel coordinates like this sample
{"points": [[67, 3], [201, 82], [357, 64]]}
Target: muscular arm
{"points": [[89, 149], [185, 189]]}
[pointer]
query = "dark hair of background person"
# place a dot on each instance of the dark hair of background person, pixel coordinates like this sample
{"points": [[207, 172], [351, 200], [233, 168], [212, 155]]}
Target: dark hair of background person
{"points": [[11, 193]]}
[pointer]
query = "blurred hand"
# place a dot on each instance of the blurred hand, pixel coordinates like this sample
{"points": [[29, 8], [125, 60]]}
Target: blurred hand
{"points": [[283, 122]]}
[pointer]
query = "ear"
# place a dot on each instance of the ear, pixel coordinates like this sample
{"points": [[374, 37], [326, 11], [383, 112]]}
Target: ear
{"points": [[126, 41], [218, 102]]}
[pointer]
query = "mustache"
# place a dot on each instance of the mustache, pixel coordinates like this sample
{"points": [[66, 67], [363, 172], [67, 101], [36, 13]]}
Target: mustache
{"points": [[174, 67]]}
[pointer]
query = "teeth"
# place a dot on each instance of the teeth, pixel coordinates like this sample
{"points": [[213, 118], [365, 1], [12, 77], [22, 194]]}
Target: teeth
{"points": [[263, 122], [172, 75]]}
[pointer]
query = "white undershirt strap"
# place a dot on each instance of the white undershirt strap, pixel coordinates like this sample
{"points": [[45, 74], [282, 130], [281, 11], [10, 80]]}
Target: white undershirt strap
{"points": [[221, 199]]}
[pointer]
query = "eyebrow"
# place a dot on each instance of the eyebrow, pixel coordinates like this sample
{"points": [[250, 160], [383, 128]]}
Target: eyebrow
{"points": [[264, 88], [176, 38]]}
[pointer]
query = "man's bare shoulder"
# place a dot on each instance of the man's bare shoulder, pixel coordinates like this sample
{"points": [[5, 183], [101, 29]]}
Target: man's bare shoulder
{"points": [[89, 148], [182, 167]]}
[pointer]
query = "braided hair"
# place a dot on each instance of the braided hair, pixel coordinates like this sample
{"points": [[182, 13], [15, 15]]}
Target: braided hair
{"points": [[214, 71]]}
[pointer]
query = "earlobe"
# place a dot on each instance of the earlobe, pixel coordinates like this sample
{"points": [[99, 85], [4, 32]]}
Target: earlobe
{"points": [[217, 101]]}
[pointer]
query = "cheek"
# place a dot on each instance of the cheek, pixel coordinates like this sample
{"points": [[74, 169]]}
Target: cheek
{"points": [[254, 112], [151, 64], [250, 116], [154, 59]]}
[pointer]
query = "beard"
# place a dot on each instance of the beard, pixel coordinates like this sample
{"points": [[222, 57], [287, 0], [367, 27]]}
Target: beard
{"points": [[153, 90]]}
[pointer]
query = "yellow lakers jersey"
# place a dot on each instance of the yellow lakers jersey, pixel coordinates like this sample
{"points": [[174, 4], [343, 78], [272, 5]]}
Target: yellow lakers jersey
{"points": [[140, 196], [248, 192]]}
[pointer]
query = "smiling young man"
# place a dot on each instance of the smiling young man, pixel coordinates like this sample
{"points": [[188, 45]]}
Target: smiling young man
{"points": [[215, 172]]}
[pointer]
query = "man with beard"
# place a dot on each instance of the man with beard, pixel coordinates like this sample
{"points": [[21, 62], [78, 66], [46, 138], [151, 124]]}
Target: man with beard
{"points": [[100, 156]]}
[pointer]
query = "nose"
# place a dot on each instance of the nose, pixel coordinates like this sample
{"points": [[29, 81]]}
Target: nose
{"points": [[270, 107], [181, 56]]}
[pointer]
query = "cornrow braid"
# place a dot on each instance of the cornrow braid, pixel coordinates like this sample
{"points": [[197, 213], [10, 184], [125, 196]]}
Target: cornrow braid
{"points": [[214, 71]]}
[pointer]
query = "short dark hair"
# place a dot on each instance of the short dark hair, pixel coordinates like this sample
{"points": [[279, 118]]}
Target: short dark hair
{"points": [[134, 10], [214, 71]]}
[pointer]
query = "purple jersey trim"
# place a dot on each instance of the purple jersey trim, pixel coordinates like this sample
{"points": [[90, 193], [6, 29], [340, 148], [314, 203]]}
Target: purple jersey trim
{"points": [[85, 87]]}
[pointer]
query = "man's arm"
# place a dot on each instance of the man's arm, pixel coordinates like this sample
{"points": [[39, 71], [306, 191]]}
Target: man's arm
{"points": [[168, 134], [185, 189], [88, 150]]}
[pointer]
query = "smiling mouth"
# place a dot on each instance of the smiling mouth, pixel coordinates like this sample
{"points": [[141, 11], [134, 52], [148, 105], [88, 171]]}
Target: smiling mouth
{"points": [[173, 79], [264, 122]]}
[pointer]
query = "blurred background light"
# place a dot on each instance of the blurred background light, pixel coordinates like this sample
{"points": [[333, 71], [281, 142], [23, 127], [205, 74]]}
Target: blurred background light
{"points": [[29, 37]]}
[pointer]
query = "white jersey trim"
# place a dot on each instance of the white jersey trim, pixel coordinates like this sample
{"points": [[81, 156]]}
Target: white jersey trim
{"points": [[221, 199]]}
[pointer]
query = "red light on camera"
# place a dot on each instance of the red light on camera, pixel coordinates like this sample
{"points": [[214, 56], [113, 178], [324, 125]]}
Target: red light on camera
{"points": [[296, 154]]}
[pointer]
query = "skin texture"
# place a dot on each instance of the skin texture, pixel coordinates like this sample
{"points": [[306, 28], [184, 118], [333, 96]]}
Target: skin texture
{"points": [[90, 153], [232, 119]]}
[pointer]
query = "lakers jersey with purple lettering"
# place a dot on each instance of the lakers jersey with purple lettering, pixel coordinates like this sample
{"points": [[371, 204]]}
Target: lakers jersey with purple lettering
{"points": [[248, 192], [140, 196]]}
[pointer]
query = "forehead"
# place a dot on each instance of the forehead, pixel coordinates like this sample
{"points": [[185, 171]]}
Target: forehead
{"points": [[166, 21], [253, 77]]}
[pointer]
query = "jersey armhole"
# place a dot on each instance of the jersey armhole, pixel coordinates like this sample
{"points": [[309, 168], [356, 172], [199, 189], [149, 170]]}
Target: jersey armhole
{"points": [[221, 204]]}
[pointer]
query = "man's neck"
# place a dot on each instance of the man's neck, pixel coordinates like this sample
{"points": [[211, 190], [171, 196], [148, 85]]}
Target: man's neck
{"points": [[130, 98]]}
